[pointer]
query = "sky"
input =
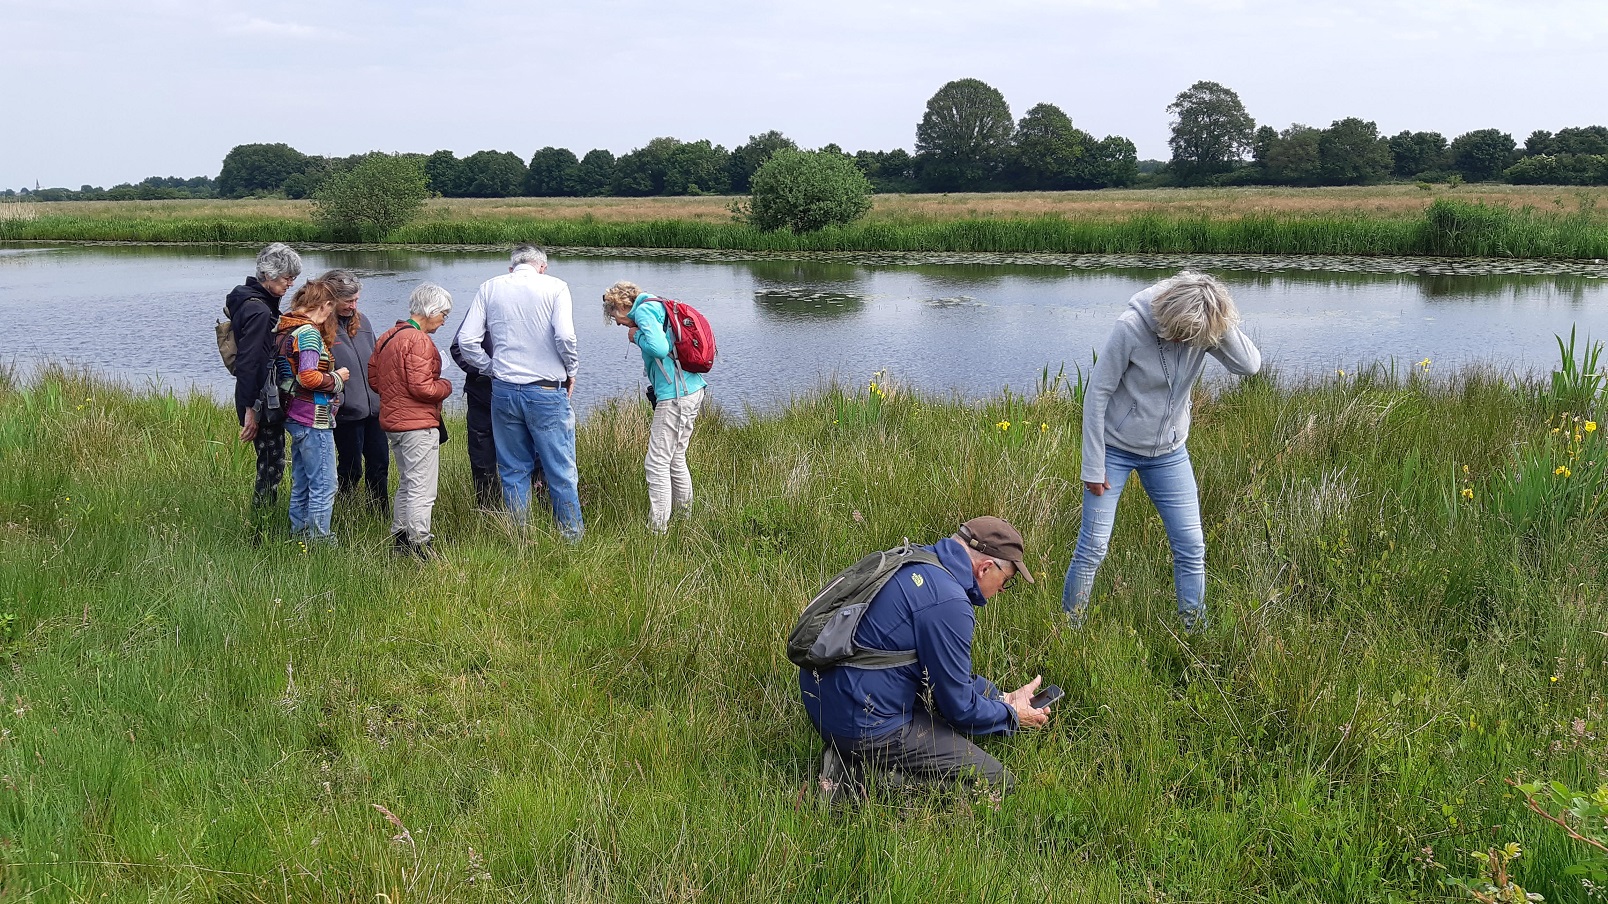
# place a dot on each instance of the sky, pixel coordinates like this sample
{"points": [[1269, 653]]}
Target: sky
{"points": [[106, 91]]}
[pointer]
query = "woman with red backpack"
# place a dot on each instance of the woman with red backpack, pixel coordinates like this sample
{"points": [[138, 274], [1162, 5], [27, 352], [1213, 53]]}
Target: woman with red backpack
{"points": [[677, 396]]}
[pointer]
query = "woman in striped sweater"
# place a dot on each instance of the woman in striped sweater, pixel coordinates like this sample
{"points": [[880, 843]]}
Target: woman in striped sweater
{"points": [[304, 366]]}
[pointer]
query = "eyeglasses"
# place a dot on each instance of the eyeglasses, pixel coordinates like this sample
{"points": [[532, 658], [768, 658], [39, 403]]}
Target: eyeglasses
{"points": [[1011, 581]]}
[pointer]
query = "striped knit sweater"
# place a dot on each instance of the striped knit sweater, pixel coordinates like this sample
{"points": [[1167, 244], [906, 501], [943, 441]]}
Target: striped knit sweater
{"points": [[305, 367]]}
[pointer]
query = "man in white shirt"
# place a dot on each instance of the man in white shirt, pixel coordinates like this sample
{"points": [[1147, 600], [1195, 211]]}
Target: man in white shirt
{"points": [[527, 317]]}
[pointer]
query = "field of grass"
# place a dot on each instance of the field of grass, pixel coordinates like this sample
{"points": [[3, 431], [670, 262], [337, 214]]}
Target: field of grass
{"points": [[1407, 596], [1512, 221]]}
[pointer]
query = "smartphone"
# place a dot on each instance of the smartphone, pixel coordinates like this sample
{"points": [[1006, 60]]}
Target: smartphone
{"points": [[1046, 696]]}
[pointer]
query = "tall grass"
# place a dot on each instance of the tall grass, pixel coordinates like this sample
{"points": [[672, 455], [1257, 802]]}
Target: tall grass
{"points": [[1447, 228], [190, 716]]}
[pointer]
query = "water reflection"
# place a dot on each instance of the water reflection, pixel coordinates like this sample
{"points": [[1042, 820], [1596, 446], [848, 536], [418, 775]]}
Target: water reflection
{"points": [[784, 325], [803, 303]]}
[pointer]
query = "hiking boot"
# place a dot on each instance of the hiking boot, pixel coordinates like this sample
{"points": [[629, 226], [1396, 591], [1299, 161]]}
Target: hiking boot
{"points": [[426, 552], [400, 544], [836, 783]]}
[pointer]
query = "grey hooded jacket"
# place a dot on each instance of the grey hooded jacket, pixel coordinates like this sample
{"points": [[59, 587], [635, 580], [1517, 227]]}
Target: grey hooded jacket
{"points": [[1138, 397], [353, 353]]}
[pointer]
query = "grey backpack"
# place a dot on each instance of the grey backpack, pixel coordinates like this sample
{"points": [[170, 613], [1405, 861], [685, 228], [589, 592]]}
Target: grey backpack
{"points": [[824, 635]]}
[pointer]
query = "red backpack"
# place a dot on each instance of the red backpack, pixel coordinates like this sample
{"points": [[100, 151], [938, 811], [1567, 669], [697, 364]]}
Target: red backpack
{"points": [[693, 339]]}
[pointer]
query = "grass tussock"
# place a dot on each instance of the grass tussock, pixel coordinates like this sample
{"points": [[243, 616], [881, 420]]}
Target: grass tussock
{"points": [[190, 715], [1487, 221]]}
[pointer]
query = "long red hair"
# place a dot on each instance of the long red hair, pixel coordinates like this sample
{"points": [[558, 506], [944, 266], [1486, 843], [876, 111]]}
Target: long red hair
{"points": [[313, 295]]}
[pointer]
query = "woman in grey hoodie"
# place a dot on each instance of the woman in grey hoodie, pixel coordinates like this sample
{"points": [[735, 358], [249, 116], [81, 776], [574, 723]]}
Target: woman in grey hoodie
{"points": [[1136, 418]]}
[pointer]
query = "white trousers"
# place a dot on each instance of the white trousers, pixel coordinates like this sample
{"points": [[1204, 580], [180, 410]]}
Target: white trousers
{"points": [[669, 481], [418, 470]]}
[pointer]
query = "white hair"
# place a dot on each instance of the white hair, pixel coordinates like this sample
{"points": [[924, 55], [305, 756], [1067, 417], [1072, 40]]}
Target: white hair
{"points": [[528, 254], [277, 260], [1194, 309], [429, 300]]}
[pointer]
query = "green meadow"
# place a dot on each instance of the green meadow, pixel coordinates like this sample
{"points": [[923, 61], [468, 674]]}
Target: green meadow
{"points": [[1362, 221], [1406, 586]]}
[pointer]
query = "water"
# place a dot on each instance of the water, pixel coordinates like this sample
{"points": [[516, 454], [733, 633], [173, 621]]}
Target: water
{"points": [[145, 314]]}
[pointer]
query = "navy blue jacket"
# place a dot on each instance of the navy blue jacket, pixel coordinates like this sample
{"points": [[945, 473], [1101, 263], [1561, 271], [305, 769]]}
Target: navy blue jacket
{"points": [[927, 609], [255, 315]]}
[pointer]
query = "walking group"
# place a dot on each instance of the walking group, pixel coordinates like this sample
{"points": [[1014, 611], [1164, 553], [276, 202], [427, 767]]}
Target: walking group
{"points": [[352, 402], [885, 651]]}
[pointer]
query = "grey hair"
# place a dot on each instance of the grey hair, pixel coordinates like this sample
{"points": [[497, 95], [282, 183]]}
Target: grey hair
{"points": [[429, 300], [343, 283], [1194, 309], [525, 253], [277, 260]]}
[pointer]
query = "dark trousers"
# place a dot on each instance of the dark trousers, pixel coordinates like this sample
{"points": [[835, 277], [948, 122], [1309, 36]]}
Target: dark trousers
{"points": [[483, 449], [270, 446], [363, 455], [929, 751]]}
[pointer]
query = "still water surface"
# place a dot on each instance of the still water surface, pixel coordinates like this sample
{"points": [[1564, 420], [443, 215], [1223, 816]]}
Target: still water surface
{"points": [[145, 314]]}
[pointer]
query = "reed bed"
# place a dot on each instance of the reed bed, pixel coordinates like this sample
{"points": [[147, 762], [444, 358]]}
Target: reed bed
{"points": [[1492, 224], [194, 712]]}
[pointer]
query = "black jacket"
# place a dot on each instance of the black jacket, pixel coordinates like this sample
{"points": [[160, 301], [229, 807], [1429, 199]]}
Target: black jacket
{"points": [[254, 314], [476, 385]]}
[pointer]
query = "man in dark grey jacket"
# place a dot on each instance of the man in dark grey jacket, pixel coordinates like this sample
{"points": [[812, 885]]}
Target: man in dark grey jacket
{"points": [[361, 453], [253, 311]]}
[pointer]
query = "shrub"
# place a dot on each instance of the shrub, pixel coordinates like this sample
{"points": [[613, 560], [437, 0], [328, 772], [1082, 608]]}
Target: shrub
{"points": [[807, 190], [372, 199]]}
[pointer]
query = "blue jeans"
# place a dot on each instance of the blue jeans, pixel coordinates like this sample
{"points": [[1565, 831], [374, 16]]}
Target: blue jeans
{"points": [[312, 480], [531, 424], [1169, 480]]}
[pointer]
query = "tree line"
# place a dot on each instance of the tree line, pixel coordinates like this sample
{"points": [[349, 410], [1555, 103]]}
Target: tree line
{"points": [[966, 140], [1215, 141]]}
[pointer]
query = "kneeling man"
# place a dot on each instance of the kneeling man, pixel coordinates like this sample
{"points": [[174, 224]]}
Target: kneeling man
{"points": [[913, 719]]}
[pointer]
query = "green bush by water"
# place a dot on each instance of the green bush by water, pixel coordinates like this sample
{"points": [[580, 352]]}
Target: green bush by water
{"points": [[1449, 228], [188, 716]]}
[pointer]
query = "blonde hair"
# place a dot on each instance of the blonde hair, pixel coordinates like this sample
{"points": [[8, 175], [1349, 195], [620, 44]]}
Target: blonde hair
{"points": [[619, 298], [1194, 309]]}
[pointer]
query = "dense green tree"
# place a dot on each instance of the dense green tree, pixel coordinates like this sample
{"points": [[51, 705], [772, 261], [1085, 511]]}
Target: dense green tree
{"points": [[552, 173], [747, 158], [888, 171], [697, 168], [491, 174], [1210, 130], [1413, 153], [964, 138], [373, 198], [594, 173], [807, 190], [1292, 157], [642, 172], [1581, 140], [1351, 152], [254, 168], [1482, 154], [443, 172], [1047, 149], [1111, 162]]}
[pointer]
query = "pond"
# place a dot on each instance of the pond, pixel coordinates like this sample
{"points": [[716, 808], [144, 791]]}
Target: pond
{"points": [[971, 324]]}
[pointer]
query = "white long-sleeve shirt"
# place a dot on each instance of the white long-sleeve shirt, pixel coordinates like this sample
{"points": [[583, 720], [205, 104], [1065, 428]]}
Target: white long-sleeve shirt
{"points": [[532, 327]]}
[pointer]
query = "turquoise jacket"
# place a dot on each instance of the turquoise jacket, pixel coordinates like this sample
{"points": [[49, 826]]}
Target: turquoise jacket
{"points": [[660, 367]]}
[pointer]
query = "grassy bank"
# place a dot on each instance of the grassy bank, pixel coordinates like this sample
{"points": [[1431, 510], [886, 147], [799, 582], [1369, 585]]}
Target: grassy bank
{"points": [[190, 716], [1497, 221]]}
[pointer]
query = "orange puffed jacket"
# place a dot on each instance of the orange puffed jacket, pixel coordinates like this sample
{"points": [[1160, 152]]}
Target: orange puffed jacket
{"points": [[405, 370]]}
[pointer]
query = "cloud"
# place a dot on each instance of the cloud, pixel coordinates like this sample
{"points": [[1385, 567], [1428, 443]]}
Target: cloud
{"points": [[262, 28]]}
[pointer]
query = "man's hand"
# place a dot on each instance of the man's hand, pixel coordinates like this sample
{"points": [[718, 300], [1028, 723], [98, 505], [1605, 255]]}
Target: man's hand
{"points": [[248, 430], [1098, 489], [1021, 701], [569, 387]]}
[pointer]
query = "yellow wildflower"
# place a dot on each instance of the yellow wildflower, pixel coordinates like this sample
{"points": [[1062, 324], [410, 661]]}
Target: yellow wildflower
{"points": [[1554, 679], [1044, 428], [1424, 364], [1003, 425], [1591, 426], [1561, 471], [1465, 470], [1340, 373], [1468, 493]]}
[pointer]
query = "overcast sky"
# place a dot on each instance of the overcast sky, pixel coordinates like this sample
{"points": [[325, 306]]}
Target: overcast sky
{"points": [[109, 91]]}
